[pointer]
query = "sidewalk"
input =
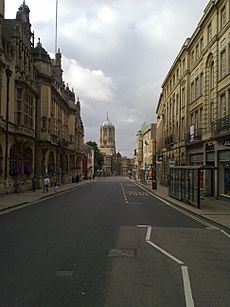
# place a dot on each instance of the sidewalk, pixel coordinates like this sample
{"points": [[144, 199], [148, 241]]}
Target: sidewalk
{"points": [[12, 200], [213, 210]]}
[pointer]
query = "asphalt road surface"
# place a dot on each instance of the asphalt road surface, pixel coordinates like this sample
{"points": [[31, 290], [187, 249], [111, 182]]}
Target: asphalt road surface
{"points": [[111, 244]]}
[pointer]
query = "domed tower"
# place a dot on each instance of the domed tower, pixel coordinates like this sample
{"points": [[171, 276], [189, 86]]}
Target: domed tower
{"points": [[107, 138]]}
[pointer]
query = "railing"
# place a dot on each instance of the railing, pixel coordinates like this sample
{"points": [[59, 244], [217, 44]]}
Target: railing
{"points": [[221, 125], [191, 138]]}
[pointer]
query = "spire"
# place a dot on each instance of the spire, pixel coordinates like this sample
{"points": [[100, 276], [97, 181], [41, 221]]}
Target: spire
{"points": [[107, 116]]}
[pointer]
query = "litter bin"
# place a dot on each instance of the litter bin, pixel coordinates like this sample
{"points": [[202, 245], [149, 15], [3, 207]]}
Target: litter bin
{"points": [[154, 184]]}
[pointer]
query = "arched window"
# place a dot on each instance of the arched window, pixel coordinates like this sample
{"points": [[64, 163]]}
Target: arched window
{"points": [[212, 75], [15, 161]]}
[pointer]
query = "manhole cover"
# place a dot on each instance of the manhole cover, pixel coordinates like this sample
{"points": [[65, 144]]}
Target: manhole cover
{"points": [[64, 274], [122, 252]]}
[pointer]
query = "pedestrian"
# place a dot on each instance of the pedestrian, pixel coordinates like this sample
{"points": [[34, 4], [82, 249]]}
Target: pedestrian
{"points": [[46, 182], [56, 185], [34, 184], [77, 178]]}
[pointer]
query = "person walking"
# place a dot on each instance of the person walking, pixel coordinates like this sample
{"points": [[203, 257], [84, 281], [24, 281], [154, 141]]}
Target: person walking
{"points": [[46, 182], [34, 184]]}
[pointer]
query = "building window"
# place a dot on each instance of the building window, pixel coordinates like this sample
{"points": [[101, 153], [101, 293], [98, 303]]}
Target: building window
{"points": [[192, 91], [197, 90], [223, 17], [223, 106], [19, 107], [201, 45], [201, 83], [196, 120], [192, 119], [212, 76], [212, 115], [193, 58], [183, 66], [183, 98], [177, 103], [197, 52], [209, 34], [182, 128], [201, 117], [28, 111], [223, 63]]}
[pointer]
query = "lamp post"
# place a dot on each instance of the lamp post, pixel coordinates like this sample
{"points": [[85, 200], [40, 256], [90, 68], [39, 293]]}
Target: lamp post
{"points": [[8, 75], [154, 167]]}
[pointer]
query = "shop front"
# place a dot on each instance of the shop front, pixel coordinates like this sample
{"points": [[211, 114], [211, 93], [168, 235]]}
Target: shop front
{"points": [[224, 173]]}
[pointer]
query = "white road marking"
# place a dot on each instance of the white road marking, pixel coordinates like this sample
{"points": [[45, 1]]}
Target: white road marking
{"points": [[184, 269], [164, 252], [225, 233], [148, 235], [187, 287], [125, 197]]}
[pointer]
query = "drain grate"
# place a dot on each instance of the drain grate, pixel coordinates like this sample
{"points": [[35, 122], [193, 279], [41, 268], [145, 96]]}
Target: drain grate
{"points": [[122, 252]]}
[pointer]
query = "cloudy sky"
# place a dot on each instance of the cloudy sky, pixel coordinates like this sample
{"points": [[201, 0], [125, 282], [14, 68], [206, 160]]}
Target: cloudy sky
{"points": [[116, 54]]}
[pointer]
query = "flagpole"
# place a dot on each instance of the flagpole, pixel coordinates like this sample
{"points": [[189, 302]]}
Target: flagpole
{"points": [[56, 26]]}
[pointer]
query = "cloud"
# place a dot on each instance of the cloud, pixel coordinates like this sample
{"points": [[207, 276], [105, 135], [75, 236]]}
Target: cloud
{"points": [[116, 54], [90, 84]]}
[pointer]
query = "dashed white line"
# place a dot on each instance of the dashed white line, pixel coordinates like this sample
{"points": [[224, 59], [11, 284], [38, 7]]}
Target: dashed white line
{"points": [[187, 287], [125, 197]]}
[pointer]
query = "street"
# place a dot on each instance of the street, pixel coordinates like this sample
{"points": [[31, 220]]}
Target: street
{"points": [[111, 243]]}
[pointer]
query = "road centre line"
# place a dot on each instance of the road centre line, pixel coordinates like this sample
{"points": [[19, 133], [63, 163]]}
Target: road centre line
{"points": [[210, 226], [123, 190], [184, 269]]}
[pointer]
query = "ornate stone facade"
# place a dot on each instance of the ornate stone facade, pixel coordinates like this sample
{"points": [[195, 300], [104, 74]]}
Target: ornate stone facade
{"points": [[41, 130]]}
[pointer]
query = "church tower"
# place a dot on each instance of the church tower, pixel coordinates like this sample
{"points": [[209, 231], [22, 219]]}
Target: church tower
{"points": [[107, 138]]}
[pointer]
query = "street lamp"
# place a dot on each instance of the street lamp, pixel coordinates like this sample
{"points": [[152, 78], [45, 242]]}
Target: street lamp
{"points": [[8, 75], [154, 167]]}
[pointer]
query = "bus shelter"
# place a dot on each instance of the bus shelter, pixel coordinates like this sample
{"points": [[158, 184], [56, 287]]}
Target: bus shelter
{"points": [[189, 183]]}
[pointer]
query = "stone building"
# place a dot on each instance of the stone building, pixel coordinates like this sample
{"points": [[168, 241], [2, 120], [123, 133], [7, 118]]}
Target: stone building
{"points": [[194, 110], [41, 131], [59, 129], [145, 152], [88, 162]]}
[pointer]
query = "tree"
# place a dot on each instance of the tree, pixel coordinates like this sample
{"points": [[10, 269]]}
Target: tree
{"points": [[98, 158]]}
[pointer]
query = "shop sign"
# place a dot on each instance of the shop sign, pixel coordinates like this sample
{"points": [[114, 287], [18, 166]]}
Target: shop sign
{"points": [[226, 143], [210, 146]]}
